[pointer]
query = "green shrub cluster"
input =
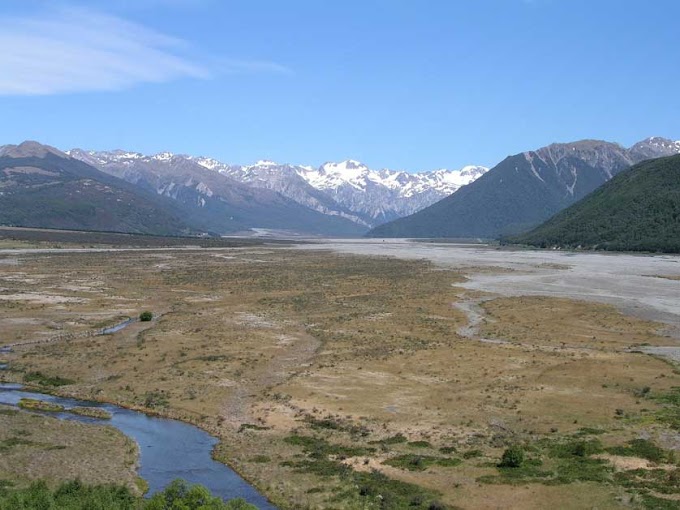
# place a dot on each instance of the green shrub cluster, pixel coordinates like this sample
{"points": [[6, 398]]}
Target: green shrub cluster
{"points": [[46, 380], [75, 495]]}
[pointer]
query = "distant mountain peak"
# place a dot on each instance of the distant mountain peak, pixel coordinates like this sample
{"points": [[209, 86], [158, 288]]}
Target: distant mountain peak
{"points": [[265, 162], [344, 167], [658, 143], [163, 156], [30, 148], [348, 189]]}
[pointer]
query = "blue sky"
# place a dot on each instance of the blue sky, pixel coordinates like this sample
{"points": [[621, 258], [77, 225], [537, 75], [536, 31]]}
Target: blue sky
{"points": [[412, 85]]}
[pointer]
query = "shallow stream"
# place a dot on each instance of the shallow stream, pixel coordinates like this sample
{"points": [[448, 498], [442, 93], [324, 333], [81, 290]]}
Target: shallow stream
{"points": [[169, 449]]}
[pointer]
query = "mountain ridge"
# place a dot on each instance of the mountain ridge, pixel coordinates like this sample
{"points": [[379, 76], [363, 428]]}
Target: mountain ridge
{"points": [[348, 190], [222, 203], [525, 189], [41, 186], [638, 209]]}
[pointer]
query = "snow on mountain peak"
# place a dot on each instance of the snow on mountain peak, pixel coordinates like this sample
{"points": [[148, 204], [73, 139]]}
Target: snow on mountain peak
{"points": [[163, 156], [347, 168], [209, 163], [347, 188]]}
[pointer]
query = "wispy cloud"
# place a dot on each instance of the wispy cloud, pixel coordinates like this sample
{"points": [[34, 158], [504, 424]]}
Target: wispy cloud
{"points": [[83, 50]]}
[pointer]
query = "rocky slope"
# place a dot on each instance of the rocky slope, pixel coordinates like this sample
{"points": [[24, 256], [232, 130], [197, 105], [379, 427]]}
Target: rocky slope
{"points": [[525, 190], [348, 191], [218, 201], [352, 190]]}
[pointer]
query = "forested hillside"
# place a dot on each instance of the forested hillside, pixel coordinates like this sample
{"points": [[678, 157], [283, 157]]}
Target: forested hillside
{"points": [[638, 210]]}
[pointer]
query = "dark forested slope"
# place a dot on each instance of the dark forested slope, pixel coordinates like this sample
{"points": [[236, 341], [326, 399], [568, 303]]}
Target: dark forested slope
{"points": [[639, 209]]}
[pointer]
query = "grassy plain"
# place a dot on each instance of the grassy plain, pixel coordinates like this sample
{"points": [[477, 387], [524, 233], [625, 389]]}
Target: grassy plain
{"points": [[345, 381], [38, 447]]}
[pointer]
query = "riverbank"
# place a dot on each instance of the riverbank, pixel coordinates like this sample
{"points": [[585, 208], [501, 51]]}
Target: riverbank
{"points": [[168, 450], [40, 447]]}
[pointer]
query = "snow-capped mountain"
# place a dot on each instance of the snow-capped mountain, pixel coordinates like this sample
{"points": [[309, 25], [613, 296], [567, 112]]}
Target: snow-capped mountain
{"points": [[214, 199], [368, 197], [348, 191]]}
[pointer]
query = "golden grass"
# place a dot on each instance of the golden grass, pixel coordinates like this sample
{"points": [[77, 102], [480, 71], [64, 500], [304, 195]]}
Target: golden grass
{"points": [[350, 349], [38, 447]]}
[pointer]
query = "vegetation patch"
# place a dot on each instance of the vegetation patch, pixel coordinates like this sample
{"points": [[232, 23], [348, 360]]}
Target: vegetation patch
{"points": [[661, 481], [324, 459], [387, 493], [420, 462], [318, 448], [513, 457], [32, 404], [555, 462], [395, 439], [670, 414], [45, 380], [420, 444], [79, 496], [333, 423], [155, 399], [11, 442], [642, 448], [251, 426]]}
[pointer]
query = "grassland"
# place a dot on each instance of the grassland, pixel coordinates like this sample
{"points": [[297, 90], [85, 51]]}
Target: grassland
{"points": [[38, 447], [346, 382]]}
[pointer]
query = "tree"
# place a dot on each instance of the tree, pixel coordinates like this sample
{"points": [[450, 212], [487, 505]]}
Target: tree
{"points": [[145, 316]]}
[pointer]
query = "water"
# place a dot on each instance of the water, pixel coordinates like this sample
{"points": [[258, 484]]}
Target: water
{"points": [[117, 327], [169, 449]]}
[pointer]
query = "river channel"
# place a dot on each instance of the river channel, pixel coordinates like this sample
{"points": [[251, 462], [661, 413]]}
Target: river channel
{"points": [[169, 449]]}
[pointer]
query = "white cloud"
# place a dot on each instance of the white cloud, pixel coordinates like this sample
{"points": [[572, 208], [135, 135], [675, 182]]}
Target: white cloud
{"points": [[80, 50]]}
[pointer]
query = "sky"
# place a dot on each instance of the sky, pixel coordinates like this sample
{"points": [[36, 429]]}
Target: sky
{"points": [[412, 85]]}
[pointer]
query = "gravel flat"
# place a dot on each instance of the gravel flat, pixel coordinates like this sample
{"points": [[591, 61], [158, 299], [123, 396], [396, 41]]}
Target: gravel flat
{"points": [[633, 283]]}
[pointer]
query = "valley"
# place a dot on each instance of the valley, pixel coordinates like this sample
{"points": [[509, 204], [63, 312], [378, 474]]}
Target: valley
{"points": [[370, 374], [356, 255]]}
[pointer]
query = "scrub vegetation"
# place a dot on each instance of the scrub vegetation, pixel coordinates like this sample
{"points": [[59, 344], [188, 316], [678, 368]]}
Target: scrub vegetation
{"points": [[347, 382], [74, 495]]}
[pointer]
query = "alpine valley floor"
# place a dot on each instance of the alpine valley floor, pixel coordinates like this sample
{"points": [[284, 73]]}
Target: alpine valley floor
{"points": [[338, 377]]}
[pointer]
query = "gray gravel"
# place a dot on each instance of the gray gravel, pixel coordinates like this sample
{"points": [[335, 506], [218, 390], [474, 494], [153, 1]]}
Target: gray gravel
{"points": [[625, 280]]}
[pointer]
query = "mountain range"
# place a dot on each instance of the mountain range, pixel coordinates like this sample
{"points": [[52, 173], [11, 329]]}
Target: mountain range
{"points": [[177, 194], [348, 191], [639, 209], [43, 187], [370, 196], [174, 194], [525, 189]]}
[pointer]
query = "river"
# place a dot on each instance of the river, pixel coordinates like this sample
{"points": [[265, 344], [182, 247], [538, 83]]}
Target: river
{"points": [[169, 449]]}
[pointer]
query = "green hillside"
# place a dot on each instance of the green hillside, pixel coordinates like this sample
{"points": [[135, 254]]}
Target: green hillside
{"points": [[638, 210], [55, 191]]}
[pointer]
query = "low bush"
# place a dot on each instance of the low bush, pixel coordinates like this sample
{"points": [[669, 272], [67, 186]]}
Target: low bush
{"points": [[75, 495], [513, 457]]}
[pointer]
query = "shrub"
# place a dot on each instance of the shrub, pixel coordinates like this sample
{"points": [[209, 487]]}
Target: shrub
{"points": [[45, 380], [75, 495], [146, 316], [513, 457]]}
